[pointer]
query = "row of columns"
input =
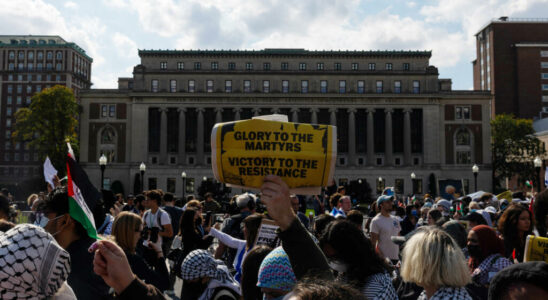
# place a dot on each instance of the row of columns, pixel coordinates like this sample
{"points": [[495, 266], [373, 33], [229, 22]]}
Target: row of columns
{"points": [[388, 154]]}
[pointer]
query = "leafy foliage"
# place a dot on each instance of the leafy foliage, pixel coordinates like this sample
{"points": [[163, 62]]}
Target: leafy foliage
{"points": [[514, 148], [48, 123]]}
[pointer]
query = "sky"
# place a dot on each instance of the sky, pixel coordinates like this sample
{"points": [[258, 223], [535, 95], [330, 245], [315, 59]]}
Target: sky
{"points": [[112, 31]]}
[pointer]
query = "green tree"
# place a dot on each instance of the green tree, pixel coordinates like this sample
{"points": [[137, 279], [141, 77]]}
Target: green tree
{"points": [[514, 149], [48, 123]]}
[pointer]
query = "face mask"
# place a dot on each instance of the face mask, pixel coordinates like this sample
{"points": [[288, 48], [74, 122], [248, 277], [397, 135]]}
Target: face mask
{"points": [[43, 221], [414, 213], [474, 250], [338, 266]]}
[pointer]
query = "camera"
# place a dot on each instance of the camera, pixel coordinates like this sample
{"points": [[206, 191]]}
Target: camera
{"points": [[150, 234]]}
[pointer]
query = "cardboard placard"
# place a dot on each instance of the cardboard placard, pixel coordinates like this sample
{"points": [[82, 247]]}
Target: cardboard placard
{"points": [[303, 155], [536, 249], [266, 235]]}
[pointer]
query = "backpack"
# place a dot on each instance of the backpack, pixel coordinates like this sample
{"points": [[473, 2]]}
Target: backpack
{"points": [[158, 218]]}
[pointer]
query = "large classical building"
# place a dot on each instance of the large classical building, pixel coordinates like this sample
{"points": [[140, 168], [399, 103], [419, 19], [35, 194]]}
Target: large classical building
{"points": [[29, 64], [394, 116], [512, 63]]}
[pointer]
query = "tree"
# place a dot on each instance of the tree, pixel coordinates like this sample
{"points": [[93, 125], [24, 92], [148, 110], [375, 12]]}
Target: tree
{"points": [[514, 149], [48, 123]]}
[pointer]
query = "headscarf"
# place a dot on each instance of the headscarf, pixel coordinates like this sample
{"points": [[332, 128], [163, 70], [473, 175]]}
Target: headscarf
{"points": [[32, 264], [200, 264], [276, 272], [489, 243]]}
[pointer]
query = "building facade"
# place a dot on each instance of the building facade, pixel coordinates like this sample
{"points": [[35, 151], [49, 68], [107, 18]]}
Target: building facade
{"points": [[394, 116], [512, 63], [29, 64]]}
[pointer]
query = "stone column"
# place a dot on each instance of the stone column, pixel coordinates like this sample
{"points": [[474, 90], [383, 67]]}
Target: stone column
{"points": [[218, 115], [314, 116], [388, 151], [256, 111], [370, 137], [333, 116], [163, 136], [295, 115], [182, 135], [352, 136], [200, 138], [407, 136], [236, 113]]}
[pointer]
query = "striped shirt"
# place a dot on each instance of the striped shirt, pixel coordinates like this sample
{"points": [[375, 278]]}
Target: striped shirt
{"points": [[379, 286]]}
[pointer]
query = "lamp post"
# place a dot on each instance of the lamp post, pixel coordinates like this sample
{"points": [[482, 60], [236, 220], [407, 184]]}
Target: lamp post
{"points": [[103, 165], [380, 185], [183, 176], [475, 170], [143, 168], [413, 176], [538, 163]]}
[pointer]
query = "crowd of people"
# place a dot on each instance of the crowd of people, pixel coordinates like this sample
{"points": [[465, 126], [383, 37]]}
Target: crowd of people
{"points": [[401, 248]]}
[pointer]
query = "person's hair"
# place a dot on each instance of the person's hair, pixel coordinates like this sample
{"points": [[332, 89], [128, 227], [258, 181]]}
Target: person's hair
{"points": [[5, 192], [355, 249], [318, 289], [189, 198], [250, 272], [518, 195], [432, 258], [485, 197], [340, 188], [139, 198], [321, 222], [119, 195], [489, 244], [356, 217], [30, 200], [123, 230], [400, 211], [476, 218], [168, 197], [187, 221], [434, 214], [6, 225], [508, 224], [252, 224], [5, 205], [57, 202], [457, 232], [473, 205], [194, 204], [207, 195], [334, 200], [424, 212], [540, 207], [156, 196]]}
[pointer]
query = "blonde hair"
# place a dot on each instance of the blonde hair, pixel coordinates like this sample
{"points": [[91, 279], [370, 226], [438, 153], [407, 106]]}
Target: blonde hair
{"points": [[473, 205], [194, 204], [432, 258], [123, 230], [31, 199]]}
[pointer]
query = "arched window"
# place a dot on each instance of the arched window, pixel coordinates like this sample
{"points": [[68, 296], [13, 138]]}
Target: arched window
{"points": [[463, 147], [108, 141], [463, 137]]}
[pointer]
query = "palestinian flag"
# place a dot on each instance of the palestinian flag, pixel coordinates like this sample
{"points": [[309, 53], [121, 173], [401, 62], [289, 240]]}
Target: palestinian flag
{"points": [[83, 196], [529, 183]]}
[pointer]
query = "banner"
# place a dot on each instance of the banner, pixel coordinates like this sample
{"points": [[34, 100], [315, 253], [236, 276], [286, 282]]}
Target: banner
{"points": [[536, 249], [303, 155], [266, 235]]}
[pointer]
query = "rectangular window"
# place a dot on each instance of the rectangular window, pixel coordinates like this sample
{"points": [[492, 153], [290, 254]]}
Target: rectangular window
{"points": [[371, 66], [304, 86], [543, 53], [406, 66], [342, 86], [59, 67], [319, 66], [228, 86], [397, 87], [104, 110], [180, 65], [197, 66], [154, 85], [266, 66], [285, 86], [11, 66], [10, 89], [379, 86], [28, 100], [361, 86], [266, 86], [302, 66], [462, 113], [8, 122], [19, 89], [20, 66], [231, 66], [210, 86], [355, 67], [544, 64], [285, 66], [112, 110], [464, 157], [388, 66], [30, 66], [416, 87], [545, 87], [21, 55], [57, 77], [214, 65], [171, 185], [19, 100], [337, 66], [38, 67], [458, 113], [9, 100], [544, 76], [163, 65], [544, 98], [8, 111], [191, 86], [323, 86], [39, 77], [247, 86], [173, 85], [249, 66], [38, 88]]}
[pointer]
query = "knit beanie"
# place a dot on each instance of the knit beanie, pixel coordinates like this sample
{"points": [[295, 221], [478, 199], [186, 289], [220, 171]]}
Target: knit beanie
{"points": [[276, 272]]}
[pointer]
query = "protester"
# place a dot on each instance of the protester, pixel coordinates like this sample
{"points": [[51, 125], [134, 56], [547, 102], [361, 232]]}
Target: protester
{"points": [[250, 272], [458, 233], [474, 219], [515, 224], [435, 218], [140, 204], [320, 223], [433, 261], [175, 214], [130, 204], [295, 205], [4, 208], [105, 227], [205, 278], [191, 236], [156, 220], [126, 231], [355, 217], [409, 222], [383, 227], [33, 265], [276, 277], [336, 206], [210, 205], [520, 281], [323, 290], [540, 209]]}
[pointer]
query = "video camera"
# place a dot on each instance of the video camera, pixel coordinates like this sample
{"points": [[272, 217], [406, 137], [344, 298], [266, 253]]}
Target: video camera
{"points": [[150, 234]]}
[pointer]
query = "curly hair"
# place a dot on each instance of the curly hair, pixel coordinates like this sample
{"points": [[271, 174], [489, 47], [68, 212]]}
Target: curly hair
{"points": [[507, 226], [314, 289]]}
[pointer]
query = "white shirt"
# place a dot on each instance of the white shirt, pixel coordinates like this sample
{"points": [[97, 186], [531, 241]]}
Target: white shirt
{"points": [[386, 227], [151, 220]]}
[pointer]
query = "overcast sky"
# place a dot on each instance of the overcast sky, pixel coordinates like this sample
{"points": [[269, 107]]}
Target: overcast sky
{"points": [[111, 31]]}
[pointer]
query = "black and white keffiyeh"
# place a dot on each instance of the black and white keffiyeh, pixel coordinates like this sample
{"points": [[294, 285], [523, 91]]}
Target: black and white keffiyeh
{"points": [[32, 264], [200, 264], [447, 293]]}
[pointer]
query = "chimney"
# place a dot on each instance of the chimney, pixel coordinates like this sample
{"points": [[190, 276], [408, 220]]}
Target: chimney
{"points": [[503, 18]]}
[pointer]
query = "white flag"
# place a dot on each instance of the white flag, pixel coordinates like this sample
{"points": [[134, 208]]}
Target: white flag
{"points": [[49, 172]]}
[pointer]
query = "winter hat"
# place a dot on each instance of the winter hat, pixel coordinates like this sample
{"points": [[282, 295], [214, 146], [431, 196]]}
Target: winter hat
{"points": [[276, 272], [446, 204], [384, 198], [32, 264], [534, 273]]}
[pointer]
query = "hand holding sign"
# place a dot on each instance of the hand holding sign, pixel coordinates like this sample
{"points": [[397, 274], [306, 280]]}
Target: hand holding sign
{"points": [[275, 195]]}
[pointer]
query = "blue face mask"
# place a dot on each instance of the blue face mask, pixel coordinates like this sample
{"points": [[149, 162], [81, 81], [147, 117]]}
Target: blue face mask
{"points": [[42, 220]]}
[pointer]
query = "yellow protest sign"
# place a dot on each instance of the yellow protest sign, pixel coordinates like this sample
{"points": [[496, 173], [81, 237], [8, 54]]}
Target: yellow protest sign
{"points": [[536, 249], [244, 152]]}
